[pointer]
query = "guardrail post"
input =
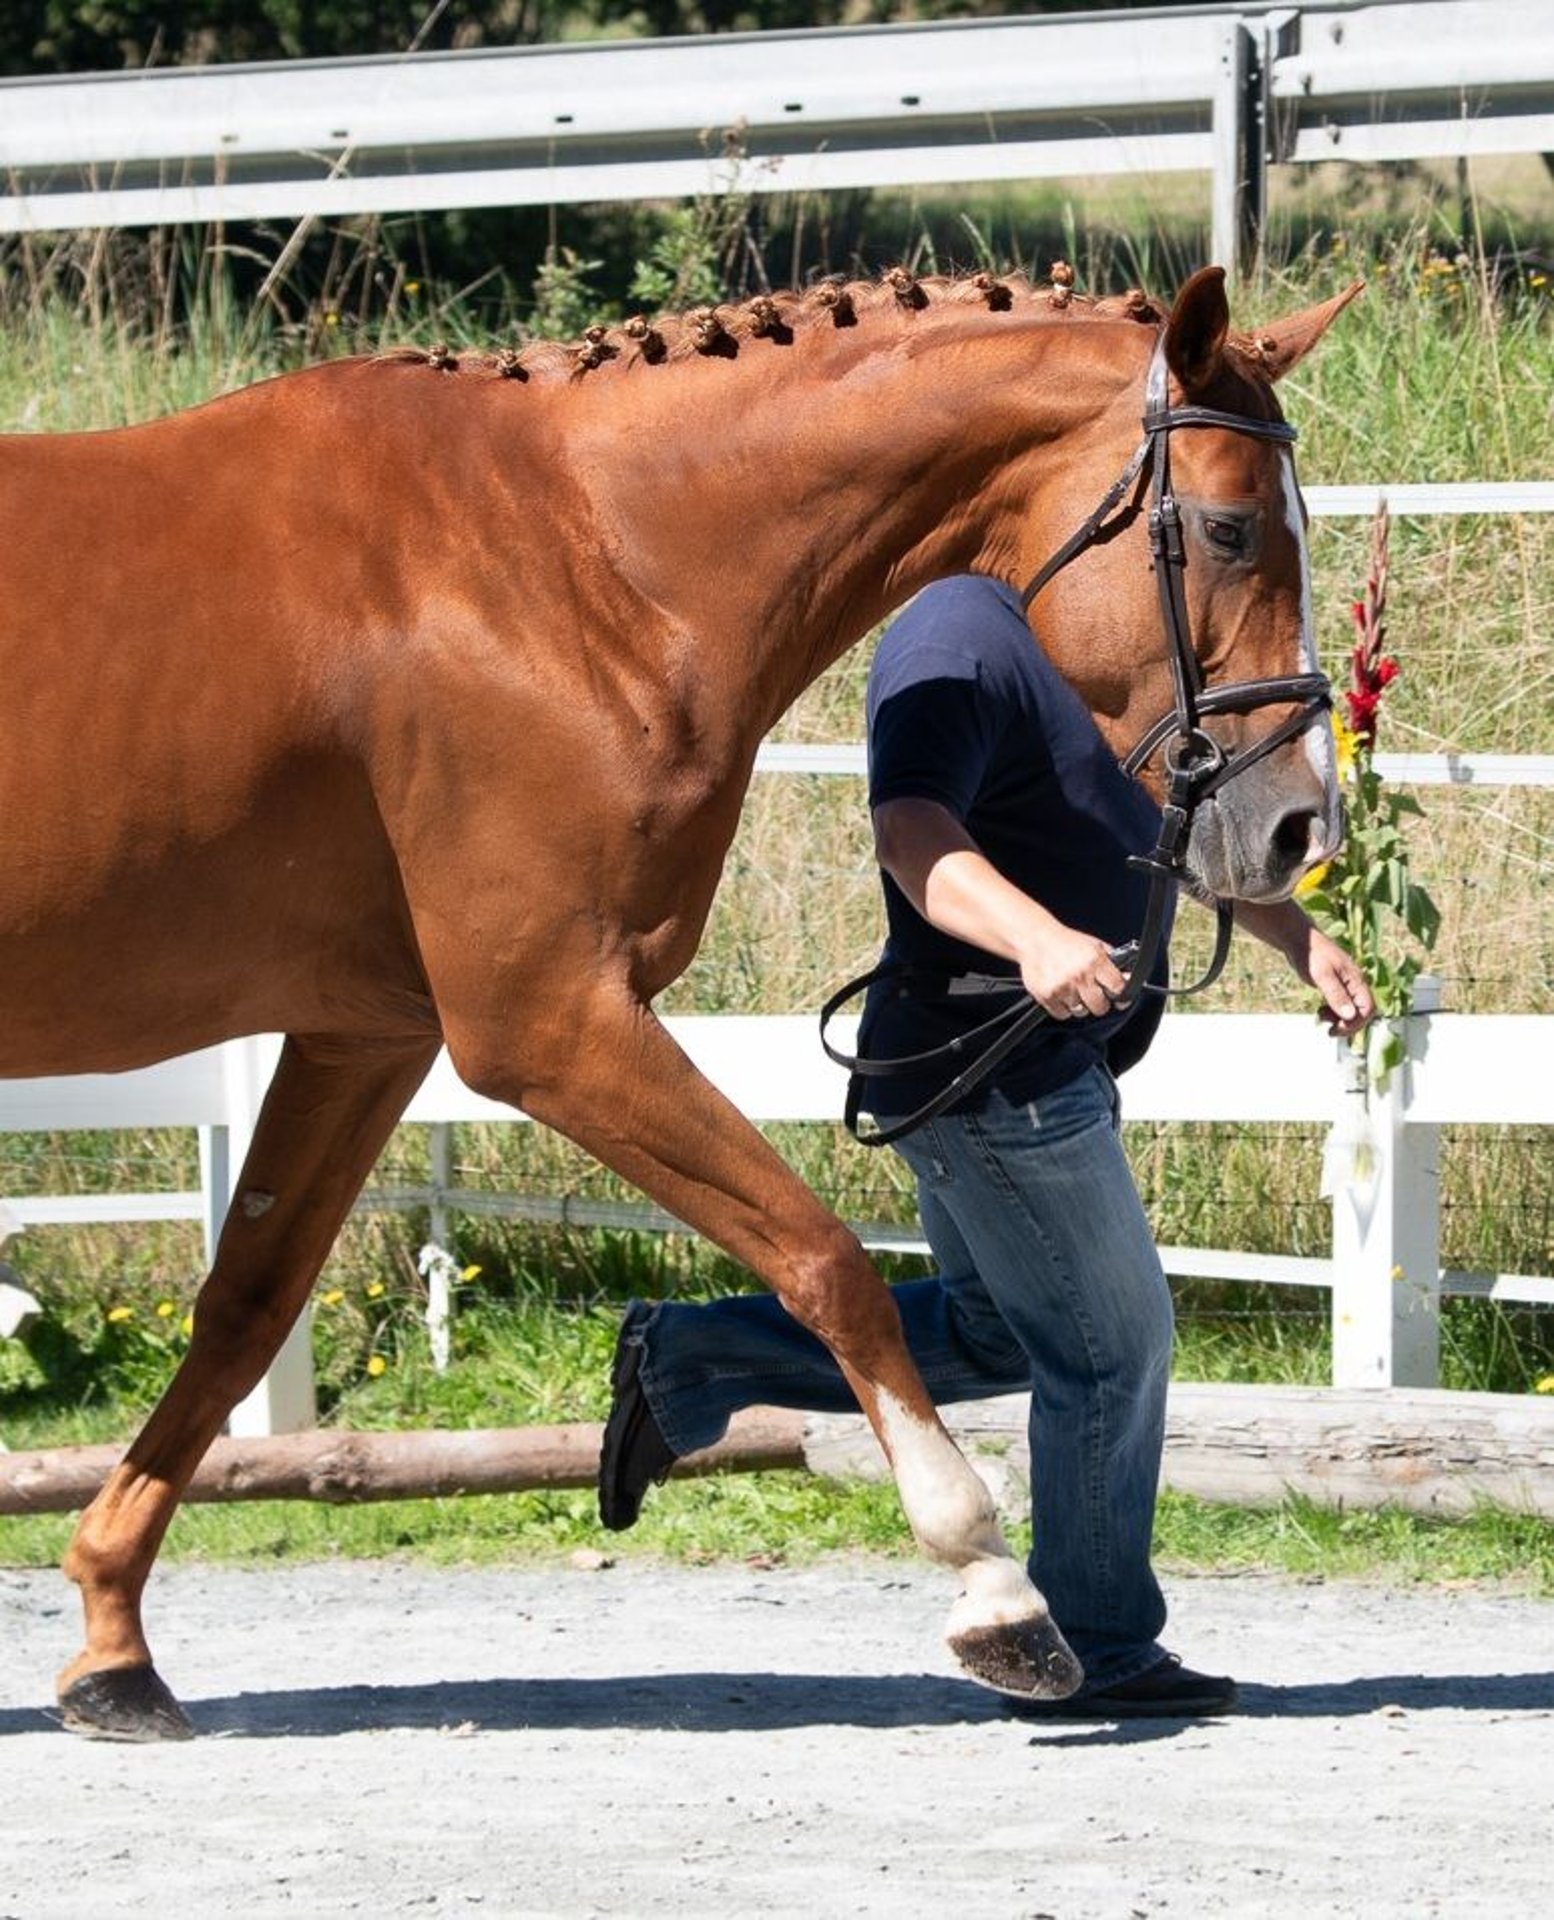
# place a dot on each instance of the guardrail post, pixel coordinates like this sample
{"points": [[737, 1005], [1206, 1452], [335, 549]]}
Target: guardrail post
{"points": [[1240, 184], [283, 1401], [1382, 1174]]}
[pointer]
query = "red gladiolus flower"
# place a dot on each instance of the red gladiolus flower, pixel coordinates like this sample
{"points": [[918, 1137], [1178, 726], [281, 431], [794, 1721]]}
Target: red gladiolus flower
{"points": [[1362, 706], [1370, 670]]}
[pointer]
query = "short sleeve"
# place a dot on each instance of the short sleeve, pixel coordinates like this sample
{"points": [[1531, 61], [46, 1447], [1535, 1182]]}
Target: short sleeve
{"points": [[932, 738]]}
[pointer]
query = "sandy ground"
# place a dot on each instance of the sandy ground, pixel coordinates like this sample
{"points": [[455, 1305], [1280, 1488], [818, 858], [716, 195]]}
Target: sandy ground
{"points": [[391, 1739]]}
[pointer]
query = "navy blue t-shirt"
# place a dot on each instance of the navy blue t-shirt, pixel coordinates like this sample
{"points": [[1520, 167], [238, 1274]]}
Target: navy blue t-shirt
{"points": [[965, 709]]}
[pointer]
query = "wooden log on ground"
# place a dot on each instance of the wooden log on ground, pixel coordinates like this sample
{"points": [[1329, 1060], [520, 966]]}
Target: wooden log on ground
{"points": [[340, 1467], [1429, 1451], [1420, 1448], [1424, 1449]]}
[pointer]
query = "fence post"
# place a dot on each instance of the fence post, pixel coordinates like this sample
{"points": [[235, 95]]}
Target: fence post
{"points": [[1382, 1175], [441, 1147], [1240, 180], [283, 1401]]}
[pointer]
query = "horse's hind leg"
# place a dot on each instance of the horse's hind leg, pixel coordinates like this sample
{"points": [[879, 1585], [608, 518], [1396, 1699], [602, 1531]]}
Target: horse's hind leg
{"points": [[626, 1092], [328, 1112]]}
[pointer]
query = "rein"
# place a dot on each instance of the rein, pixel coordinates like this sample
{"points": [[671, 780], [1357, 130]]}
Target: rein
{"points": [[1196, 766]]}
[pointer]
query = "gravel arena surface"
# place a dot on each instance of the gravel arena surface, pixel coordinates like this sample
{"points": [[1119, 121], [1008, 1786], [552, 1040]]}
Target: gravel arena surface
{"points": [[387, 1739]]}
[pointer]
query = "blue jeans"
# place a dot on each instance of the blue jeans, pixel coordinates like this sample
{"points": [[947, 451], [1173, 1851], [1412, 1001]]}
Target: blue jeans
{"points": [[1048, 1280]]}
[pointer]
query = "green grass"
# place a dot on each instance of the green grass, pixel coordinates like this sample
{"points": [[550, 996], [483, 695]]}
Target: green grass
{"points": [[794, 1519], [1300, 1538]]}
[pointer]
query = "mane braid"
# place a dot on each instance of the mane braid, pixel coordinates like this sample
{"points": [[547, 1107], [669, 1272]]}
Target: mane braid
{"points": [[728, 328]]}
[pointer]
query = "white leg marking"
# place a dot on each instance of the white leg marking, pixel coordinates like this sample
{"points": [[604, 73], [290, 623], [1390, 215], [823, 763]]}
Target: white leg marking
{"points": [[951, 1513]]}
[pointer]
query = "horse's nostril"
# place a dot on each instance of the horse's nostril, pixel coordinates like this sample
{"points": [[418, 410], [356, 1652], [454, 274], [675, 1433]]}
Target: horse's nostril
{"points": [[1294, 836]]}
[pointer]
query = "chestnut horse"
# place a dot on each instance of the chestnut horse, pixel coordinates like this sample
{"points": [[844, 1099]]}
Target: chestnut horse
{"points": [[411, 699]]}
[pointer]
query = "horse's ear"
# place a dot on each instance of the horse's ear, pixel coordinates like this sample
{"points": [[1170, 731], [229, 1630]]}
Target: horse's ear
{"points": [[1285, 343], [1196, 330]]}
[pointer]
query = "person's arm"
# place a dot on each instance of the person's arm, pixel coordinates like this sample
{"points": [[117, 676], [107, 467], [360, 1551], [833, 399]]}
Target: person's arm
{"points": [[929, 854], [1348, 1003]]}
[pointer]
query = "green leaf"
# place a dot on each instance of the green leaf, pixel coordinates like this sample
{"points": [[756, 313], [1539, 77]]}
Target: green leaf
{"points": [[1422, 917]]}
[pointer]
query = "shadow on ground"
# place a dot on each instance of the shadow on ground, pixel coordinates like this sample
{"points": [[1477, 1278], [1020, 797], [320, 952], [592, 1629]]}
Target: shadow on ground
{"points": [[768, 1702]]}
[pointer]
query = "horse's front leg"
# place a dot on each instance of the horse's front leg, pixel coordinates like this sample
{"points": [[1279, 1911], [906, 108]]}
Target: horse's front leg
{"points": [[621, 1088], [325, 1118]]}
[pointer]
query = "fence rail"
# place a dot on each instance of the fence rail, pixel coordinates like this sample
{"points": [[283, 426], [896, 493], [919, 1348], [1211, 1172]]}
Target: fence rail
{"points": [[1384, 1271], [1225, 90]]}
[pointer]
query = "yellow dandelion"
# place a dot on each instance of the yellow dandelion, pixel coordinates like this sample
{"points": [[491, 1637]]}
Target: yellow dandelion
{"points": [[470, 1273], [412, 286], [331, 319], [333, 1298], [118, 1315], [1309, 882], [1546, 1384], [1346, 744], [1537, 279], [186, 1324], [376, 1365], [375, 1288], [165, 1309]]}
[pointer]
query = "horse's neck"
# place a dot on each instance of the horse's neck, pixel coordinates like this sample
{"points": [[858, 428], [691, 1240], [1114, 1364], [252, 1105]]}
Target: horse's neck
{"points": [[783, 505]]}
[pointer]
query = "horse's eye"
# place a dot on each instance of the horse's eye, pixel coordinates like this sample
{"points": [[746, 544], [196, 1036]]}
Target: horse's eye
{"points": [[1225, 536]]}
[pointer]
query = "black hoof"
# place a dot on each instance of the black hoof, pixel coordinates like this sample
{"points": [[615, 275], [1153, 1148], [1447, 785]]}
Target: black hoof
{"points": [[1027, 1657], [123, 1703]]}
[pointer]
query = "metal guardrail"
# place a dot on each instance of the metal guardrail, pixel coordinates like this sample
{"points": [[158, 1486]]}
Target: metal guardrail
{"points": [[1222, 89]]}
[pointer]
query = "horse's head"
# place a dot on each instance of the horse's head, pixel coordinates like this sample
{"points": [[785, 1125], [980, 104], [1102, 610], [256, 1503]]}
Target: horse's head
{"points": [[1219, 597]]}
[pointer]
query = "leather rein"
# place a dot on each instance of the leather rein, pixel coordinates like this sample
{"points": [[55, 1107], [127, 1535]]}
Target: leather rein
{"points": [[1196, 766]]}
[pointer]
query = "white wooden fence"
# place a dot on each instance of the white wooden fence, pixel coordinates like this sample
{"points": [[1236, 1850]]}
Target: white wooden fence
{"points": [[1226, 90], [1384, 1272]]}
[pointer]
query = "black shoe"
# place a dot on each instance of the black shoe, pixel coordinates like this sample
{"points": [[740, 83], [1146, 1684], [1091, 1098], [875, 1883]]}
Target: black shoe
{"points": [[635, 1455], [1166, 1691]]}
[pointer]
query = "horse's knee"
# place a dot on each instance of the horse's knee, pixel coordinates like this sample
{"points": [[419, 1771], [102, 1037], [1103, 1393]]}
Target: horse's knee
{"points": [[235, 1310], [830, 1285]]}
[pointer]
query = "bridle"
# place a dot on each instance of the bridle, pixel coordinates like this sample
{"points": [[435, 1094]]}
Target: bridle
{"points": [[1196, 766]]}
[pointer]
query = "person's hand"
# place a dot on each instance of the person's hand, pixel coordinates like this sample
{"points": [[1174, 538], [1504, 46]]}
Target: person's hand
{"points": [[1347, 1001], [1070, 973]]}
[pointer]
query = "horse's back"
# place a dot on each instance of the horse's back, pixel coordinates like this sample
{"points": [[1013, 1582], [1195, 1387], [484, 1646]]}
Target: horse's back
{"points": [[189, 846]]}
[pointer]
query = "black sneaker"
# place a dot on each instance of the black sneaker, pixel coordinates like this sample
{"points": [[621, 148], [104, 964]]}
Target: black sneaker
{"points": [[1165, 1691], [634, 1454]]}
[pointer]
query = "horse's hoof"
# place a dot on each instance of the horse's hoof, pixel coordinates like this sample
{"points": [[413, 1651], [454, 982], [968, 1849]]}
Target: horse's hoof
{"points": [[123, 1703], [1027, 1657]]}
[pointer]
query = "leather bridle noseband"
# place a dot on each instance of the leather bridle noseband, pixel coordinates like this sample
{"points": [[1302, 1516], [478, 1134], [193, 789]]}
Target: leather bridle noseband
{"points": [[1196, 766]]}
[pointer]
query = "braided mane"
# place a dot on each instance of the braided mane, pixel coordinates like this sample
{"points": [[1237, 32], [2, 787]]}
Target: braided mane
{"points": [[723, 330]]}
